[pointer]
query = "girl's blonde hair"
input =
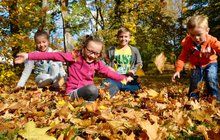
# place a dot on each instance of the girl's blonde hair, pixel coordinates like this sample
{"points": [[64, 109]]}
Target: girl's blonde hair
{"points": [[89, 38], [198, 21]]}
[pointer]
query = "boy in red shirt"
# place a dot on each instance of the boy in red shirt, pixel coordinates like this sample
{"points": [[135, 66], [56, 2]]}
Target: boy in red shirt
{"points": [[199, 48]]}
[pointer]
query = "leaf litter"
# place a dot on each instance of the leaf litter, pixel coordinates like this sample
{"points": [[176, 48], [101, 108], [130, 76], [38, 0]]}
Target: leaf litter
{"points": [[165, 113]]}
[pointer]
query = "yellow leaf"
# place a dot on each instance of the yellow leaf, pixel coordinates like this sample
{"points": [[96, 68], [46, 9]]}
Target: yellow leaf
{"points": [[124, 82], [102, 107], [152, 93], [30, 132], [80, 122], [54, 122], [151, 129], [203, 130], [160, 61], [140, 71], [61, 103]]}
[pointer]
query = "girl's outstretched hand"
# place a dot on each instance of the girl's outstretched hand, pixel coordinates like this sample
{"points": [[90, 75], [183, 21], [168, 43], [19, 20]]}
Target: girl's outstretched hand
{"points": [[21, 57]]}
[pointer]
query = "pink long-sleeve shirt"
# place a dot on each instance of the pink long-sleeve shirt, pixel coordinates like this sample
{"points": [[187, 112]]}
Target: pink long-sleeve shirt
{"points": [[81, 73]]}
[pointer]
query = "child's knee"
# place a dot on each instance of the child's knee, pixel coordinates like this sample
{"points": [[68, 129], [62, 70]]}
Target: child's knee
{"points": [[92, 92], [93, 89]]}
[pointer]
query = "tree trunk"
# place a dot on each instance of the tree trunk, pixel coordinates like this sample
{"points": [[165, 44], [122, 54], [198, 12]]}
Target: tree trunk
{"points": [[14, 29], [67, 38]]}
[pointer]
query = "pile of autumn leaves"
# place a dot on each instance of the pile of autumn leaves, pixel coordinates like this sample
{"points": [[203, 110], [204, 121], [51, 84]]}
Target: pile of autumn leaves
{"points": [[46, 115]]}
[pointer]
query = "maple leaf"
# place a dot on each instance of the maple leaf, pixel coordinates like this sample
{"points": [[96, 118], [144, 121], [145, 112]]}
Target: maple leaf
{"points": [[152, 93], [203, 130], [195, 104], [81, 123], [107, 114], [201, 115], [151, 130], [8, 115], [139, 71], [130, 137], [178, 117], [30, 132], [160, 61]]}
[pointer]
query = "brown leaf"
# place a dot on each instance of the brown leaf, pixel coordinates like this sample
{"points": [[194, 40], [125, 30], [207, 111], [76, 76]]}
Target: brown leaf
{"points": [[70, 135], [130, 137]]}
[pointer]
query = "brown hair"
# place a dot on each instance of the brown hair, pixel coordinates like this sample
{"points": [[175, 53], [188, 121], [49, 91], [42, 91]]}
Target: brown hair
{"points": [[41, 33], [123, 30], [197, 21]]}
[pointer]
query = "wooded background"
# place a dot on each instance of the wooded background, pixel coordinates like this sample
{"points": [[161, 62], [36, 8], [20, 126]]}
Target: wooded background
{"points": [[156, 25]]}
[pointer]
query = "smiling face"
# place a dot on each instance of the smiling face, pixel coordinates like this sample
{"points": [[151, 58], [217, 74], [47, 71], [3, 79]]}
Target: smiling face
{"points": [[92, 51], [124, 39], [198, 34], [42, 43]]}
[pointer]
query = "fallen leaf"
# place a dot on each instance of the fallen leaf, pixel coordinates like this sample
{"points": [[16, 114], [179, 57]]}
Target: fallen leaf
{"points": [[30, 132], [151, 129], [202, 129]]}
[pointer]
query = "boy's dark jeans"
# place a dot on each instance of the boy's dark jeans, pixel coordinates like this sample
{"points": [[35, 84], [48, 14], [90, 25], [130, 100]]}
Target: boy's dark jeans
{"points": [[209, 75], [115, 86]]}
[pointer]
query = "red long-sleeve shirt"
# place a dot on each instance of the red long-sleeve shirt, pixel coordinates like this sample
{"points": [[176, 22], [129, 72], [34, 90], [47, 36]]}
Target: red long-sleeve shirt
{"points": [[198, 58]]}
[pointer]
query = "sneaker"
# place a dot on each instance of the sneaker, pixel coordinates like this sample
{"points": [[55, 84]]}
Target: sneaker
{"points": [[194, 95], [59, 82], [44, 83]]}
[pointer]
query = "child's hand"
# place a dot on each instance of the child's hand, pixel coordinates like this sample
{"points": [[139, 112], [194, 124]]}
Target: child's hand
{"points": [[131, 72], [21, 57], [126, 80], [176, 74], [129, 79]]}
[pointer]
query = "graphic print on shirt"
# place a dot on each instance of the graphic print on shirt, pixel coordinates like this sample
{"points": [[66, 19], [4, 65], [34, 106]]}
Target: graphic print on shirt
{"points": [[122, 60]]}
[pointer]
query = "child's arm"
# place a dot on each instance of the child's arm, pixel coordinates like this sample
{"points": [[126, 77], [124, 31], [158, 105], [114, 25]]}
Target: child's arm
{"points": [[56, 56], [179, 65], [215, 44], [105, 70], [183, 55], [138, 62], [181, 59], [29, 65]]}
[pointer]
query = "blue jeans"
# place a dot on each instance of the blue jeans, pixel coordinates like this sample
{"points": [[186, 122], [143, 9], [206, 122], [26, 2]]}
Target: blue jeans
{"points": [[210, 76], [115, 86]]}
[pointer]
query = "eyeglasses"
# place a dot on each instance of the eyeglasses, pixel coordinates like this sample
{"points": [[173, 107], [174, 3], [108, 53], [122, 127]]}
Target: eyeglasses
{"points": [[92, 52]]}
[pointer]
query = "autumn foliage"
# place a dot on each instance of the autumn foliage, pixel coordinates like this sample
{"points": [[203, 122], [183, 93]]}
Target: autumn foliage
{"points": [[160, 110], [34, 113]]}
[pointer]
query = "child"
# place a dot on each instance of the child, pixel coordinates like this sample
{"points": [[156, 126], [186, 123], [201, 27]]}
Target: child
{"points": [[200, 49], [82, 67], [124, 59], [47, 72]]}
